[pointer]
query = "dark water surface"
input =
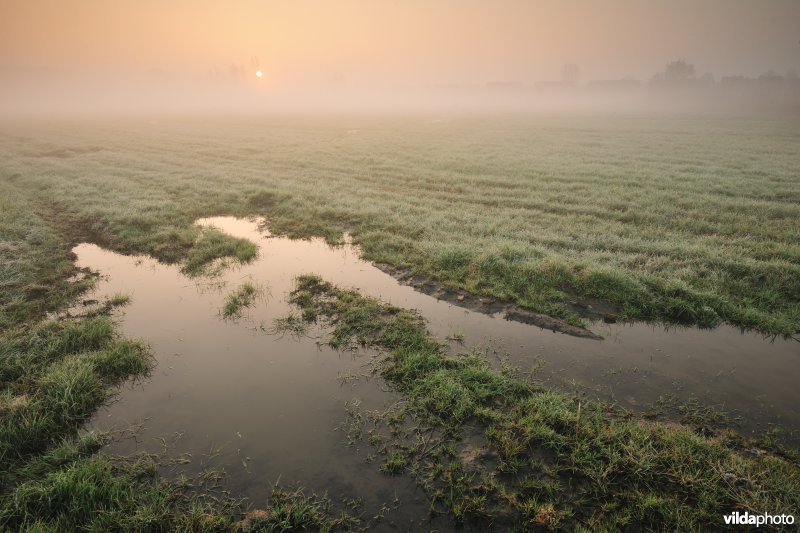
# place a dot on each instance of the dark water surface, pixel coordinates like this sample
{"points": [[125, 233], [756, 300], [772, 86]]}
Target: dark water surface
{"points": [[276, 404]]}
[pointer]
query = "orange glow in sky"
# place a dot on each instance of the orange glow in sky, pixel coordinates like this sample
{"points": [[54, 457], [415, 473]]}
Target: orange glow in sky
{"points": [[410, 41]]}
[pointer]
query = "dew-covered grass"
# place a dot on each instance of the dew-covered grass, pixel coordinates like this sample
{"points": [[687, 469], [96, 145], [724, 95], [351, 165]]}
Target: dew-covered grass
{"points": [[681, 219]]}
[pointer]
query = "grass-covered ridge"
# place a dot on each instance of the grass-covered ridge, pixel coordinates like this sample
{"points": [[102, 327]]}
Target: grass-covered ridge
{"points": [[544, 458], [213, 245], [683, 219]]}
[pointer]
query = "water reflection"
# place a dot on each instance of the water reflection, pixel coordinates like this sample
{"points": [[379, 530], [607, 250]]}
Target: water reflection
{"points": [[275, 404]]}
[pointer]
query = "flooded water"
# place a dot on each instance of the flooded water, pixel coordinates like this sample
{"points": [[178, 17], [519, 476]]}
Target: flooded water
{"points": [[275, 405]]}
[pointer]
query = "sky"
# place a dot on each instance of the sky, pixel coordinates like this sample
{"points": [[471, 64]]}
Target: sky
{"points": [[402, 41], [111, 46]]}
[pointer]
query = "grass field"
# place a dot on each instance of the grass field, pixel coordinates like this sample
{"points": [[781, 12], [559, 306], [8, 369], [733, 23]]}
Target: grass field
{"points": [[671, 219], [683, 219]]}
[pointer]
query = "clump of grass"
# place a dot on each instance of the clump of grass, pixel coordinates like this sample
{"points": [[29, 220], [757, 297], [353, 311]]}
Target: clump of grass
{"points": [[119, 300], [559, 461], [214, 245], [394, 465], [456, 337], [294, 511], [64, 372], [242, 297], [292, 324]]}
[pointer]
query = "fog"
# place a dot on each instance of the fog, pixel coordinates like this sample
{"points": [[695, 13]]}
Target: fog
{"points": [[96, 57]]}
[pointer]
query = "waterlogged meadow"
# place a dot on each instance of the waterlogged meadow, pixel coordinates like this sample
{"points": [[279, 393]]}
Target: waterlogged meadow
{"points": [[691, 220], [244, 375]]}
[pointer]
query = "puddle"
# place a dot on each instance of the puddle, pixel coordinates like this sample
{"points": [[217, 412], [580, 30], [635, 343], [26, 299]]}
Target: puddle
{"points": [[275, 405]]}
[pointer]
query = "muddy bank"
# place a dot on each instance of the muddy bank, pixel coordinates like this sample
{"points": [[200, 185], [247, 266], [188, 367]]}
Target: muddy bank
{"points": [[491, 306]]}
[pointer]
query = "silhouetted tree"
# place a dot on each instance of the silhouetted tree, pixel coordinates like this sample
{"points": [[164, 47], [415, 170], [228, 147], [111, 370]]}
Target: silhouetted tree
{"points": [[770, 75], [678, 70]]}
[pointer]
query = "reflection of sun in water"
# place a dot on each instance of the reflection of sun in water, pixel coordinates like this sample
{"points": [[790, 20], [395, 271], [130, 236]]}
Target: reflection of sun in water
{"points": [[259, 74]]}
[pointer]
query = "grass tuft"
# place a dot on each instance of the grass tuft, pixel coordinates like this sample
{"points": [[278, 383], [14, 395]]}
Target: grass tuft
{"points": [[214, 245], [242, 297]]}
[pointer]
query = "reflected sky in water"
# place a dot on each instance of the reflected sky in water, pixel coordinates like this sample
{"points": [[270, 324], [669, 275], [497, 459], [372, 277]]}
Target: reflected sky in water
{"points": [[276, 404]]}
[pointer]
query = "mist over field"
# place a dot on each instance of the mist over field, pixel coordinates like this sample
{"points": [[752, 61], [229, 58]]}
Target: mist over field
{"points": [[383, 265], [89, 57]]}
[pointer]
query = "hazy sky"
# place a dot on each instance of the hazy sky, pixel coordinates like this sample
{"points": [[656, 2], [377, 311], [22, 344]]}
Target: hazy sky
{"points": [[402, 41]]}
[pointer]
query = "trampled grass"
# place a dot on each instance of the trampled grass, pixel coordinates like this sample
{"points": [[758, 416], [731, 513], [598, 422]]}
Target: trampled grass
{"points": [[34, 263], [680, 219]]}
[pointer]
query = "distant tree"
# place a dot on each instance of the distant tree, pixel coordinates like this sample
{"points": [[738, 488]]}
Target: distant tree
{"points": [[571, 74], [791, 74], [678, 70], [236, 72], [770, 75]]}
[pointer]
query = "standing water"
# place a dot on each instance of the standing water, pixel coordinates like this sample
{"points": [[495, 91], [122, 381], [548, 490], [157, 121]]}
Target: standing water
{"points": [[266, 407]]}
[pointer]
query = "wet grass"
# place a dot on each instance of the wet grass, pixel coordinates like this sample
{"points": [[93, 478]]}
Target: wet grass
{"points": [[541, 459], [292, 324], [683, 220], [239, 299], [213, 245], [680, 219], [114, 494], [34, 263], [54, 374]]}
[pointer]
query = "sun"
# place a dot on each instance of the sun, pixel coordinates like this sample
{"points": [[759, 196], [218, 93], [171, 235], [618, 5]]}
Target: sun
{"points": [[259, 74]]}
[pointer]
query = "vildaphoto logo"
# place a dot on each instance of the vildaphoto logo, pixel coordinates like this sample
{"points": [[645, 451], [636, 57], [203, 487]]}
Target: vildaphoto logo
{"points": [[758, 520]]}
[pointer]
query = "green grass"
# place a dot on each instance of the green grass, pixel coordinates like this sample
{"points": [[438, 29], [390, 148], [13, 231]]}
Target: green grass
{"points": [[54, 374], [549, 459], [682, 219], [34, 263], [101, 494], [213, 245], [292, 324], [242, 297]]}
